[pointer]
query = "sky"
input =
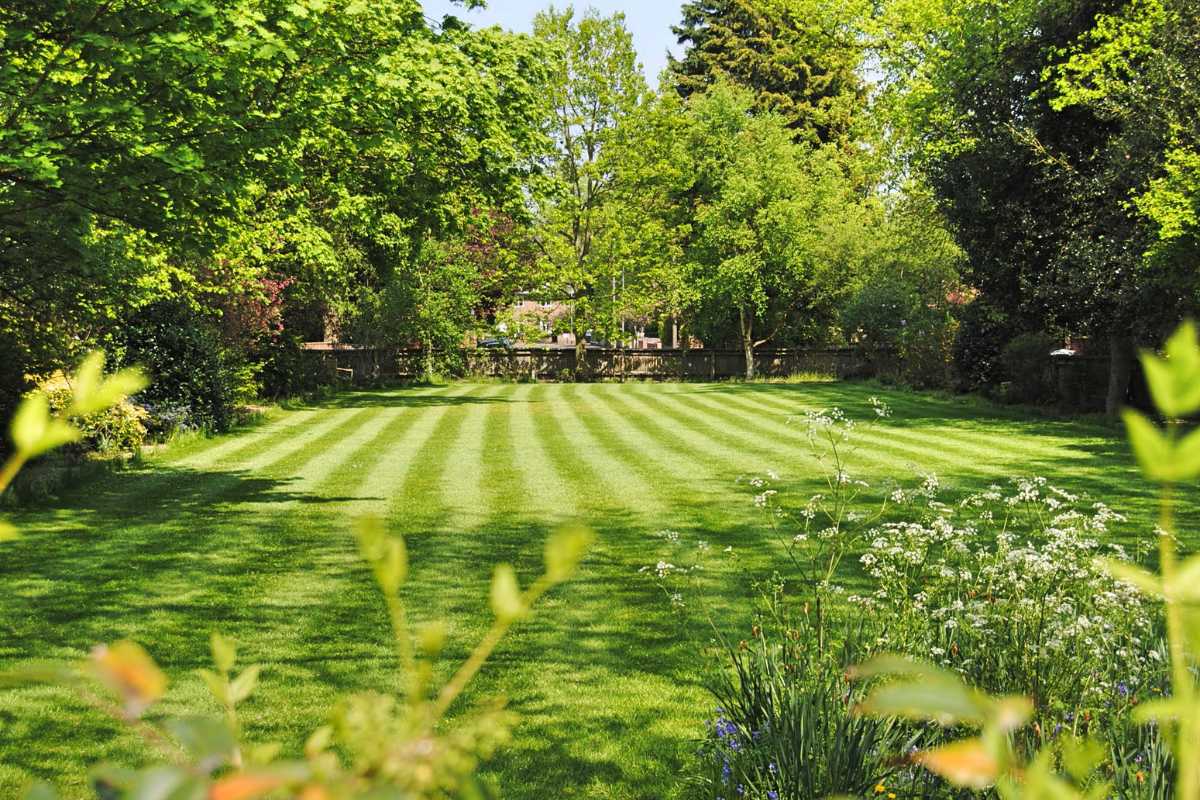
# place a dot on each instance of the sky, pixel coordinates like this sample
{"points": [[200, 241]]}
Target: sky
{"points": [[649, 21]]}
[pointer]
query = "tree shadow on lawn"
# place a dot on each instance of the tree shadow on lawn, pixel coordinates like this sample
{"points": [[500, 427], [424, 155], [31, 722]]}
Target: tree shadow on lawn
{"points": [[288, 586], [137, 543], [406, 399], [608, 679]]}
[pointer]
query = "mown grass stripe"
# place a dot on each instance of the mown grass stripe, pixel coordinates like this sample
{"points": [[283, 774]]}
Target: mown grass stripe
{"points": [[463, 482], [934, 450], [574, 470], [766, 427], [967, 443], [712, 436], [547, 492], [620, 489], [209, 452], [337, 448], [657, 453], [420, 502]]}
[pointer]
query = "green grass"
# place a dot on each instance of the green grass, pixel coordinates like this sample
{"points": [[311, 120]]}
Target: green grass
{"points": [[249, 535]]}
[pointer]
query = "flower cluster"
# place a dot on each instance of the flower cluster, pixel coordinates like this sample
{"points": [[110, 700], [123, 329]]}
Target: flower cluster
{"points": [[1005, 588]]}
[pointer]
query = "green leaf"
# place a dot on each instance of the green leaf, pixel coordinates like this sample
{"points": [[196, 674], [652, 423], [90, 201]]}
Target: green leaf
{"points": [[1151, 447], [1144, 581], [1081, 757], [41, 791], [946, 702], [1187, 456], [1165, 710], [203, 738], [319, 741], [565, 549], [387, 555], [243, 685], [888, 664], [392, 569], [42, 672], [1161, 380], [8, 532], [1175, 380], [86, 384], [90, 393], [218, 686], [35, 432], [118, 387], [30, 422], [223, 651], [506, 594], [432, 638], [167, 783]]}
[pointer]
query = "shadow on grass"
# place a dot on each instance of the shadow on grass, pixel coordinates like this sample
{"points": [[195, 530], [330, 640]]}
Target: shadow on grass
{"points": [[397, 399], [608, 680], [167, 557]]}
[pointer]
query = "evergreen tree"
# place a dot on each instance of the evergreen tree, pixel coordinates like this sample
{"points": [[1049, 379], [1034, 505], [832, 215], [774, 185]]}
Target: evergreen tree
{"points": [[799, 57]]}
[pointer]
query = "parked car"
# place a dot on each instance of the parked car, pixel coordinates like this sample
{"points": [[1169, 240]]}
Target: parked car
{"points": [[499, 342]]}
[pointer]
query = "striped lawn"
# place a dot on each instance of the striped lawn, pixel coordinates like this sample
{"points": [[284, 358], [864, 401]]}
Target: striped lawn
{"points": [[248, 534]]}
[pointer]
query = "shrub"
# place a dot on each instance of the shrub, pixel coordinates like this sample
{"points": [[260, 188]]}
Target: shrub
{"points": [[890, 319], [1026, 361], [189, 364], [978, 342], [164, 421], [1003, 588], [121, 428], [288, 371], [1076, 768]]}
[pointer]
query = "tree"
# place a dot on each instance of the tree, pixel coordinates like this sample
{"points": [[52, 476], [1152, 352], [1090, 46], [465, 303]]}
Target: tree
{"points": [[595, 82], [1037, 190], [1140, 68], [649, 217], [801, 58], [770, 216], [197, 148]]}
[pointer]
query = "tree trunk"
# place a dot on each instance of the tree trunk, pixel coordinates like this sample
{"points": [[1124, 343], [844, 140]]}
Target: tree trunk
{"points": [[747, 341], [680, 334], [1119, 371], [580, 356]]}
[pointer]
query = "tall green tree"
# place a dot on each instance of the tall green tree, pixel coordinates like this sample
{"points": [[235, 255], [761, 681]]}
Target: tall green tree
{"points": [[755, 234], [595, 81], [801, 58], [1038, 191], [1140, 69], [182, 147]]}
